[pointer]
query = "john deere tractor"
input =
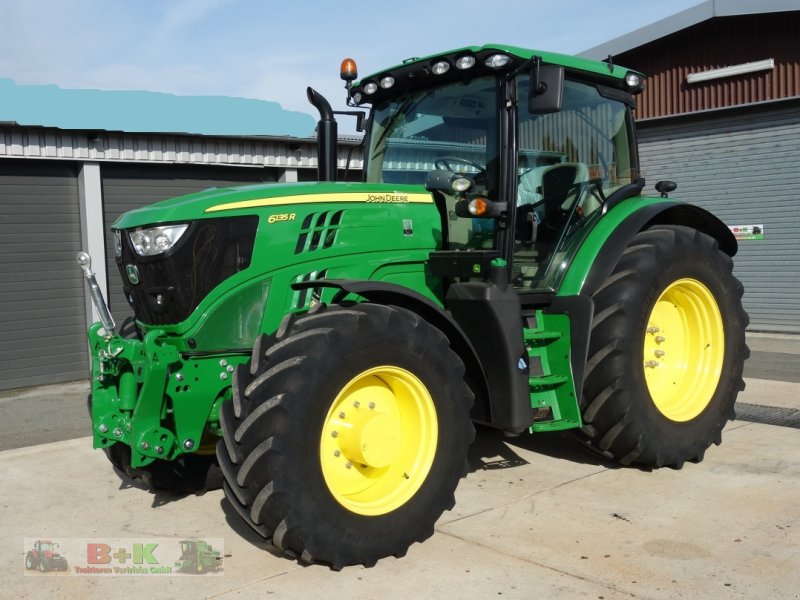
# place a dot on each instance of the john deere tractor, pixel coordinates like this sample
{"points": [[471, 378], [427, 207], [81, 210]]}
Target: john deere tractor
{"points": [[198, 556], [498, 264]]}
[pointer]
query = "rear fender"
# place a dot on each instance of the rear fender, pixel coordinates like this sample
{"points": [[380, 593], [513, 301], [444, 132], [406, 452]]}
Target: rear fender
{"points": [[604, 246]]}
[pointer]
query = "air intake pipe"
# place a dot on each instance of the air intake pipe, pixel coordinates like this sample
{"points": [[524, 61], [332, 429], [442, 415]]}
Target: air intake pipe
{"points": [[327, 136]]}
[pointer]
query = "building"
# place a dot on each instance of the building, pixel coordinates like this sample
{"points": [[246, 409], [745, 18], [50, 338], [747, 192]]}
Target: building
{"points": [[69, 166], [721, 117]]}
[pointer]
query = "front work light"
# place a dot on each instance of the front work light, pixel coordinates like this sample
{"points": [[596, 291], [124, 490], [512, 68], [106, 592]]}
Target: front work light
{"points": [[497, 61], [387, 82], [465, 62], [370, 88], [441, 67], [156, 240]]}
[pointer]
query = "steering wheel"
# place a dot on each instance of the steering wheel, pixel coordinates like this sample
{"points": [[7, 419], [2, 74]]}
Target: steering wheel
{"points": [[446, 163]]}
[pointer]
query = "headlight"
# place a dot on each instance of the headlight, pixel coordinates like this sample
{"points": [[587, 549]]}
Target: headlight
{"points": [[156, 240], [117, 243]]}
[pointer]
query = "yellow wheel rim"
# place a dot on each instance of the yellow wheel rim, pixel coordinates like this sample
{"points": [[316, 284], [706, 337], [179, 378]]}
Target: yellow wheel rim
{"points": [[378, 441], [684, 347]]}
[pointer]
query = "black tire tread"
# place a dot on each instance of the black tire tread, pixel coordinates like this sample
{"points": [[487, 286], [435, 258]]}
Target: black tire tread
{"points": [[609, 423], [259, 487]]}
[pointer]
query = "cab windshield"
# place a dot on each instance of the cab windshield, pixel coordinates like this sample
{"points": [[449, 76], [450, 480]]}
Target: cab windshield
{"points": [[452, 127]]}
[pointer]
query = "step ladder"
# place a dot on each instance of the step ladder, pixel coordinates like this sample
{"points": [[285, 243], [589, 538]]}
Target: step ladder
{"points": [[551, 386]]}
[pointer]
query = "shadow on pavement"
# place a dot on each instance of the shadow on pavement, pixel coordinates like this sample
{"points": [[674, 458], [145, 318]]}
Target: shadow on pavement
{"points": [[493, 449]]}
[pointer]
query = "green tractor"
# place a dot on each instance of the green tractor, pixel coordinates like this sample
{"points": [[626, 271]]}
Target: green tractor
{"points": [[497, 265], [198, 556]]}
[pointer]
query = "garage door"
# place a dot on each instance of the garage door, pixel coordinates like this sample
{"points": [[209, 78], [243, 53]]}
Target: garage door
{"points": [[42, 310], [126, 187], [744, 168]]}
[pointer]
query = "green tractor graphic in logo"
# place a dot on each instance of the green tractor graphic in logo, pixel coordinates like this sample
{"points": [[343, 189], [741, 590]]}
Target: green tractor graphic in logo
{"points": [[198, 557]]}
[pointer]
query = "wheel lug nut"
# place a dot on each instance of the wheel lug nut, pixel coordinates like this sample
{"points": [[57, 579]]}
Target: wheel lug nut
{"points": [[660, 339], [653, 330], [651, 363], [348, 465], [341, 415], [336, 453], [372, 405], [356, 404], [334, 434], [659, 353]]}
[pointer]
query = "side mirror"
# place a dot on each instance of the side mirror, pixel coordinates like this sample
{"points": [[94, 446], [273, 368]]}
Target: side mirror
{"points": [[546, 89], [665, 187]]}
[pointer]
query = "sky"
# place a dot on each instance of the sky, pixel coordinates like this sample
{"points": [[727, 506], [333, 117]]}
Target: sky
{"points": [[268, 50]]}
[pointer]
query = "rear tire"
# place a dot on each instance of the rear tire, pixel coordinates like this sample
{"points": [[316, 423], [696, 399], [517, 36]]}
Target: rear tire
{"points": [[347, 442], [667, 351]]}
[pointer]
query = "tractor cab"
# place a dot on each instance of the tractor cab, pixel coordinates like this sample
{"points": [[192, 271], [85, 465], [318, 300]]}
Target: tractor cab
{"points": [[522, 157]]}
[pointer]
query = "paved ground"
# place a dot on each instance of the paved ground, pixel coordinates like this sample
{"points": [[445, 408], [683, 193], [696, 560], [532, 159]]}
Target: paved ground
{"points": [[536, 517]]}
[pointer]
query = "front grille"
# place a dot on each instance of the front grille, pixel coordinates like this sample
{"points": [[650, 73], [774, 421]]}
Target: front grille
{"points": [[172, 285]]}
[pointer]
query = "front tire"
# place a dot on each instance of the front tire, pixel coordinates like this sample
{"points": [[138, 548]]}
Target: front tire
{"points": [[347, 441], [667, 350]]}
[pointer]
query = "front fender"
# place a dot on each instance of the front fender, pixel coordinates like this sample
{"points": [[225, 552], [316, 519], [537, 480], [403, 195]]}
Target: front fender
{"points": [[382, 292]]}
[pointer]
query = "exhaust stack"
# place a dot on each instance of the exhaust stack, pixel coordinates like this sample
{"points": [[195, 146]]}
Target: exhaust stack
{"points": [[327, 136]]}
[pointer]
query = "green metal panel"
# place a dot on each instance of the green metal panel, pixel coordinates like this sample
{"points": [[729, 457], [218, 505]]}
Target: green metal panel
{"points": [[586, 256]]}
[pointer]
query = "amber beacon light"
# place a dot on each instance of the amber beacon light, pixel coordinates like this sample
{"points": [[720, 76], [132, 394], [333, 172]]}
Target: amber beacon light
{"points": [[349, 70]]}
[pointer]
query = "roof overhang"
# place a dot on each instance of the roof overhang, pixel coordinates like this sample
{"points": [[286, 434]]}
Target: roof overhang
{"points": [[684, 19]]}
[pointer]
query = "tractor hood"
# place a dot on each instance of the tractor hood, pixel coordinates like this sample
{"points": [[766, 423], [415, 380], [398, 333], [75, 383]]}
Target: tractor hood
{"points": [[236, 201]]}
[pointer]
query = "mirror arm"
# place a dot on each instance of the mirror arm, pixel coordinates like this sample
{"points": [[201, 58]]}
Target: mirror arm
{"points": [[532, 61]]}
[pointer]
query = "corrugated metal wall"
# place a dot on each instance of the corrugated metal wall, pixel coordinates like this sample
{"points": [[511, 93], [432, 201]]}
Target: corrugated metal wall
{"points": [[719, 42], [49, 143], [42, 311], [744, 168], [127, 186]]}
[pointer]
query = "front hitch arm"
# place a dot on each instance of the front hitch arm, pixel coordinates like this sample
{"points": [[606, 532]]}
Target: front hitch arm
{"points": [[128, 383]]}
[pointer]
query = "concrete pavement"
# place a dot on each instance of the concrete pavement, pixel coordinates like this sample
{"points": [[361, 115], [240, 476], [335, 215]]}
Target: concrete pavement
{"points": [[537, 517]]}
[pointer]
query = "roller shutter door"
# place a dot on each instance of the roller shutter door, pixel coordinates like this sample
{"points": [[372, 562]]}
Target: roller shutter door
{"points": [[743, 167], [42, 306], [126, 187]]}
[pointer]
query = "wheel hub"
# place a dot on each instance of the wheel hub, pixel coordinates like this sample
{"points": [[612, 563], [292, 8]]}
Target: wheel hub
{"points": [[684, 347], [378, 440], [370, 437]]}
